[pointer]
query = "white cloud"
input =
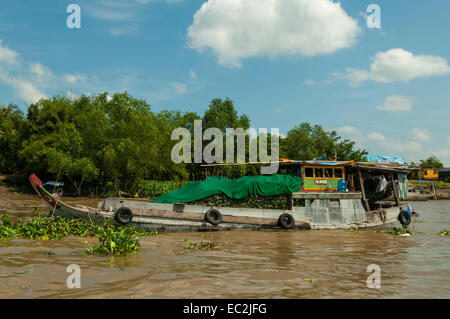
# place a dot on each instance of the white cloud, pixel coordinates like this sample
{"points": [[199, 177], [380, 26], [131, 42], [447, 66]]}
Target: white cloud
{"points": [[397, 65], [38, 69], [27, 91], [7, 55], [375, 136], [349, 130], [420, 134], [236, 30], [309, 82], [179, 87], [276, 110], [394, 145], [24, 89], [29, 80], [396, 103], [74, 78]]}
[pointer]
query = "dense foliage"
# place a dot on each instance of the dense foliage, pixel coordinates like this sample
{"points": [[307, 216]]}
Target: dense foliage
{"points": [[103, 145]]}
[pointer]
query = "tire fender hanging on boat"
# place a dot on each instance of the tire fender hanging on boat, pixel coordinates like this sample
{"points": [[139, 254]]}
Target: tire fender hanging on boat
{"points": [[123, 215], [213, 216], [286, 221], [404, 218]]}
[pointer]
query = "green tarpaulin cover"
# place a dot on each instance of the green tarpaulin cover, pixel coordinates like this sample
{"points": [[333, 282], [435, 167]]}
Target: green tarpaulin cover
{"points": [[270, 185]]}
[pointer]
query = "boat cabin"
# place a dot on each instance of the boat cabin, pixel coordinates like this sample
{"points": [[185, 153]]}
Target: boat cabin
{"points": [[318, 178]]}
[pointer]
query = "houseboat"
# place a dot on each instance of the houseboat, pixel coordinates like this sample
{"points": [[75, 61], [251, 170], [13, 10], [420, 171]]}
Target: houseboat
{"points": [[329, 195]]}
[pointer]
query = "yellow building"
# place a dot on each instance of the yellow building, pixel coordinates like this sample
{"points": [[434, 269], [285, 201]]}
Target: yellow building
{"points": [[426, 174]]}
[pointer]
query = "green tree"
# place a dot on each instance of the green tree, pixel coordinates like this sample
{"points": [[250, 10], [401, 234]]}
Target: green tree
{"points": [[222, 115], [431, 162], [306, 142], [12, 131]]}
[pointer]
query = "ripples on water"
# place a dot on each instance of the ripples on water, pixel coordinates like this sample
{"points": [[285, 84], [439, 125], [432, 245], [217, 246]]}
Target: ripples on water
{"points": [[251, 264]]}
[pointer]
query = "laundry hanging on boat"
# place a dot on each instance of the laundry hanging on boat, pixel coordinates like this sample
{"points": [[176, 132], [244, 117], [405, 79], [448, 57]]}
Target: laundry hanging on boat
{"points": [[403, 186], [382, 183]]}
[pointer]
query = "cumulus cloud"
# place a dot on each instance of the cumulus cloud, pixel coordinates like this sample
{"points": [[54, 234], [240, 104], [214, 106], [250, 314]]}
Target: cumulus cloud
{"points": [[27, 91], [236, 30], [349, 130], [420, 134], [8, 56], [395, 145], [24, 89], [397, 65], [74, 78], [375, 136], [396, 103], [28, 80], [179, 87], [23, 81]]}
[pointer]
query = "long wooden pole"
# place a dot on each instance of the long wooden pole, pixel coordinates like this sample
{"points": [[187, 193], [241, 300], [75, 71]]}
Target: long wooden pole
{"points": [[363, 191], [394, 186]]}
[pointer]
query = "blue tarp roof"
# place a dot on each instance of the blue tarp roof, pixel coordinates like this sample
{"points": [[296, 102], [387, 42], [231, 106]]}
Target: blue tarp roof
{"points": [[385, 159]]}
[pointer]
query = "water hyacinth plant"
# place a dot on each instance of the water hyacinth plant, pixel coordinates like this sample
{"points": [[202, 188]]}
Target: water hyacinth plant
{"points": [[113, 240], [202, 246], [396, 231]]}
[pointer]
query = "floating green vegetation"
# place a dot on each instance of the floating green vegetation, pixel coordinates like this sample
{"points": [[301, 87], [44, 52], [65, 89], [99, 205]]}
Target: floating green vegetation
{"points": [[113, 240], [204, 246], [117, 243], [444, 233], [352, 229], [396, 231]]}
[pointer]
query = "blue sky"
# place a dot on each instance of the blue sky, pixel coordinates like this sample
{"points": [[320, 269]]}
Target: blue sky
{"points": [[281, 61]]}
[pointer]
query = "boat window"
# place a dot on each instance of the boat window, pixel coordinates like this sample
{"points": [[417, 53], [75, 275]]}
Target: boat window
{"points": [[309, 172], [319, 172], [338, 172], [328, 172]]}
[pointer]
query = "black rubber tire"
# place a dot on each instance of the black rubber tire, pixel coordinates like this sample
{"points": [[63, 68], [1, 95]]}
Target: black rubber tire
{"points": [[213, 216], [123, 215], [404, 218], [286, 221]]}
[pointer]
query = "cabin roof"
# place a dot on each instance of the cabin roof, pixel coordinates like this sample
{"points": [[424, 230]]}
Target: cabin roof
{"points": [[365, 166]]}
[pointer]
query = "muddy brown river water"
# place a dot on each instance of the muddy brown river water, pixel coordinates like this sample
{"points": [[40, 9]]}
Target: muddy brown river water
{"points": [[250, 264]]}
